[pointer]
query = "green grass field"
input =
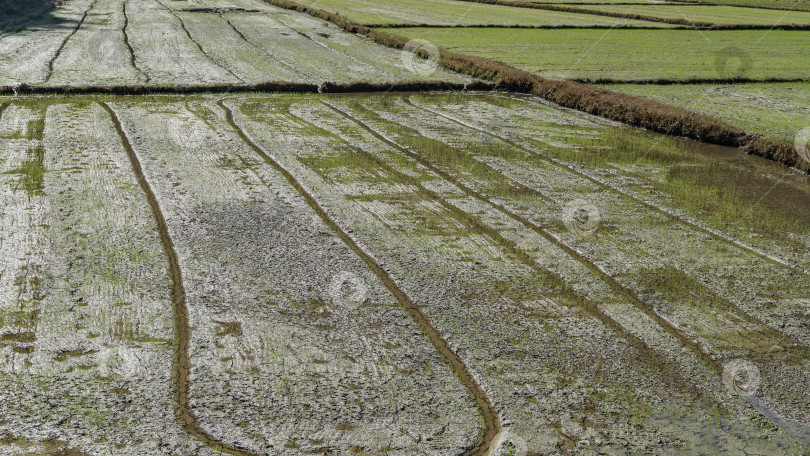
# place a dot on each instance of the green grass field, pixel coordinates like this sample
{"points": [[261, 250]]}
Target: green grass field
{"points": [[778, 110], [719, 15], [775, 4], [781, 4], [451, 12], [632, 55]]}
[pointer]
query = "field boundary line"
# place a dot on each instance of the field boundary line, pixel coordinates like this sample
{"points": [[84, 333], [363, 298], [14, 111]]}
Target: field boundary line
{"points": [[702, 81], [713, 28], [181, 365], [262, 87], [529, 27], [129, 46], [65, 41], [660, 209], [492, 423]]}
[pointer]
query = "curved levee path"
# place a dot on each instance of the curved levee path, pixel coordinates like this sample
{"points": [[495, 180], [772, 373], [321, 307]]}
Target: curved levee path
{"points": [[492, 422], [181, 361], [181, 365]]}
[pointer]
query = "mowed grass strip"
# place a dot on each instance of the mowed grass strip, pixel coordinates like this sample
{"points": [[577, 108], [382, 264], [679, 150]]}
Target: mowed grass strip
{"points": [[777, 110], [632, 55], [785, 5], [718, 15], [452, 12], [774, 4]]}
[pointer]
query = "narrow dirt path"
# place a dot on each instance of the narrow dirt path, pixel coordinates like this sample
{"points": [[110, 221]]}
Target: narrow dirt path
{"points": [[628, 195], [492, 422], [129, 46], [64, 42], [614, 284], [181, 366]]}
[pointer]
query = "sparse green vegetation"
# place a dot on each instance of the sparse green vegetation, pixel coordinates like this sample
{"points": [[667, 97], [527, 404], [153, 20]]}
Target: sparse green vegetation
{"points": [[456, 13], [777, 110]]}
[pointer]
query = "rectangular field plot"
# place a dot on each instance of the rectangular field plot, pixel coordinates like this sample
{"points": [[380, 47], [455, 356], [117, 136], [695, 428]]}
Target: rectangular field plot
{"points": [[452, 12], [777, 110], [390, 275], [427, 193], [784, 5], [100, 40], [717, 15], [633, 55], [160, 42], [90, 322]]}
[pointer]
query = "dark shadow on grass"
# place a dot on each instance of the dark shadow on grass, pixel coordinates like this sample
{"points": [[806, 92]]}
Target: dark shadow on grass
{"points": [[16, 15]]}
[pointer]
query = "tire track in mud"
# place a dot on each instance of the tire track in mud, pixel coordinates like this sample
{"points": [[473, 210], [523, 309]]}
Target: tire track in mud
{"points": [[654, 359], [667, 212], [617, 287], [65, 41], [181, 365], [199, 46], [129, 46], [492, 422], [269, 54]]}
